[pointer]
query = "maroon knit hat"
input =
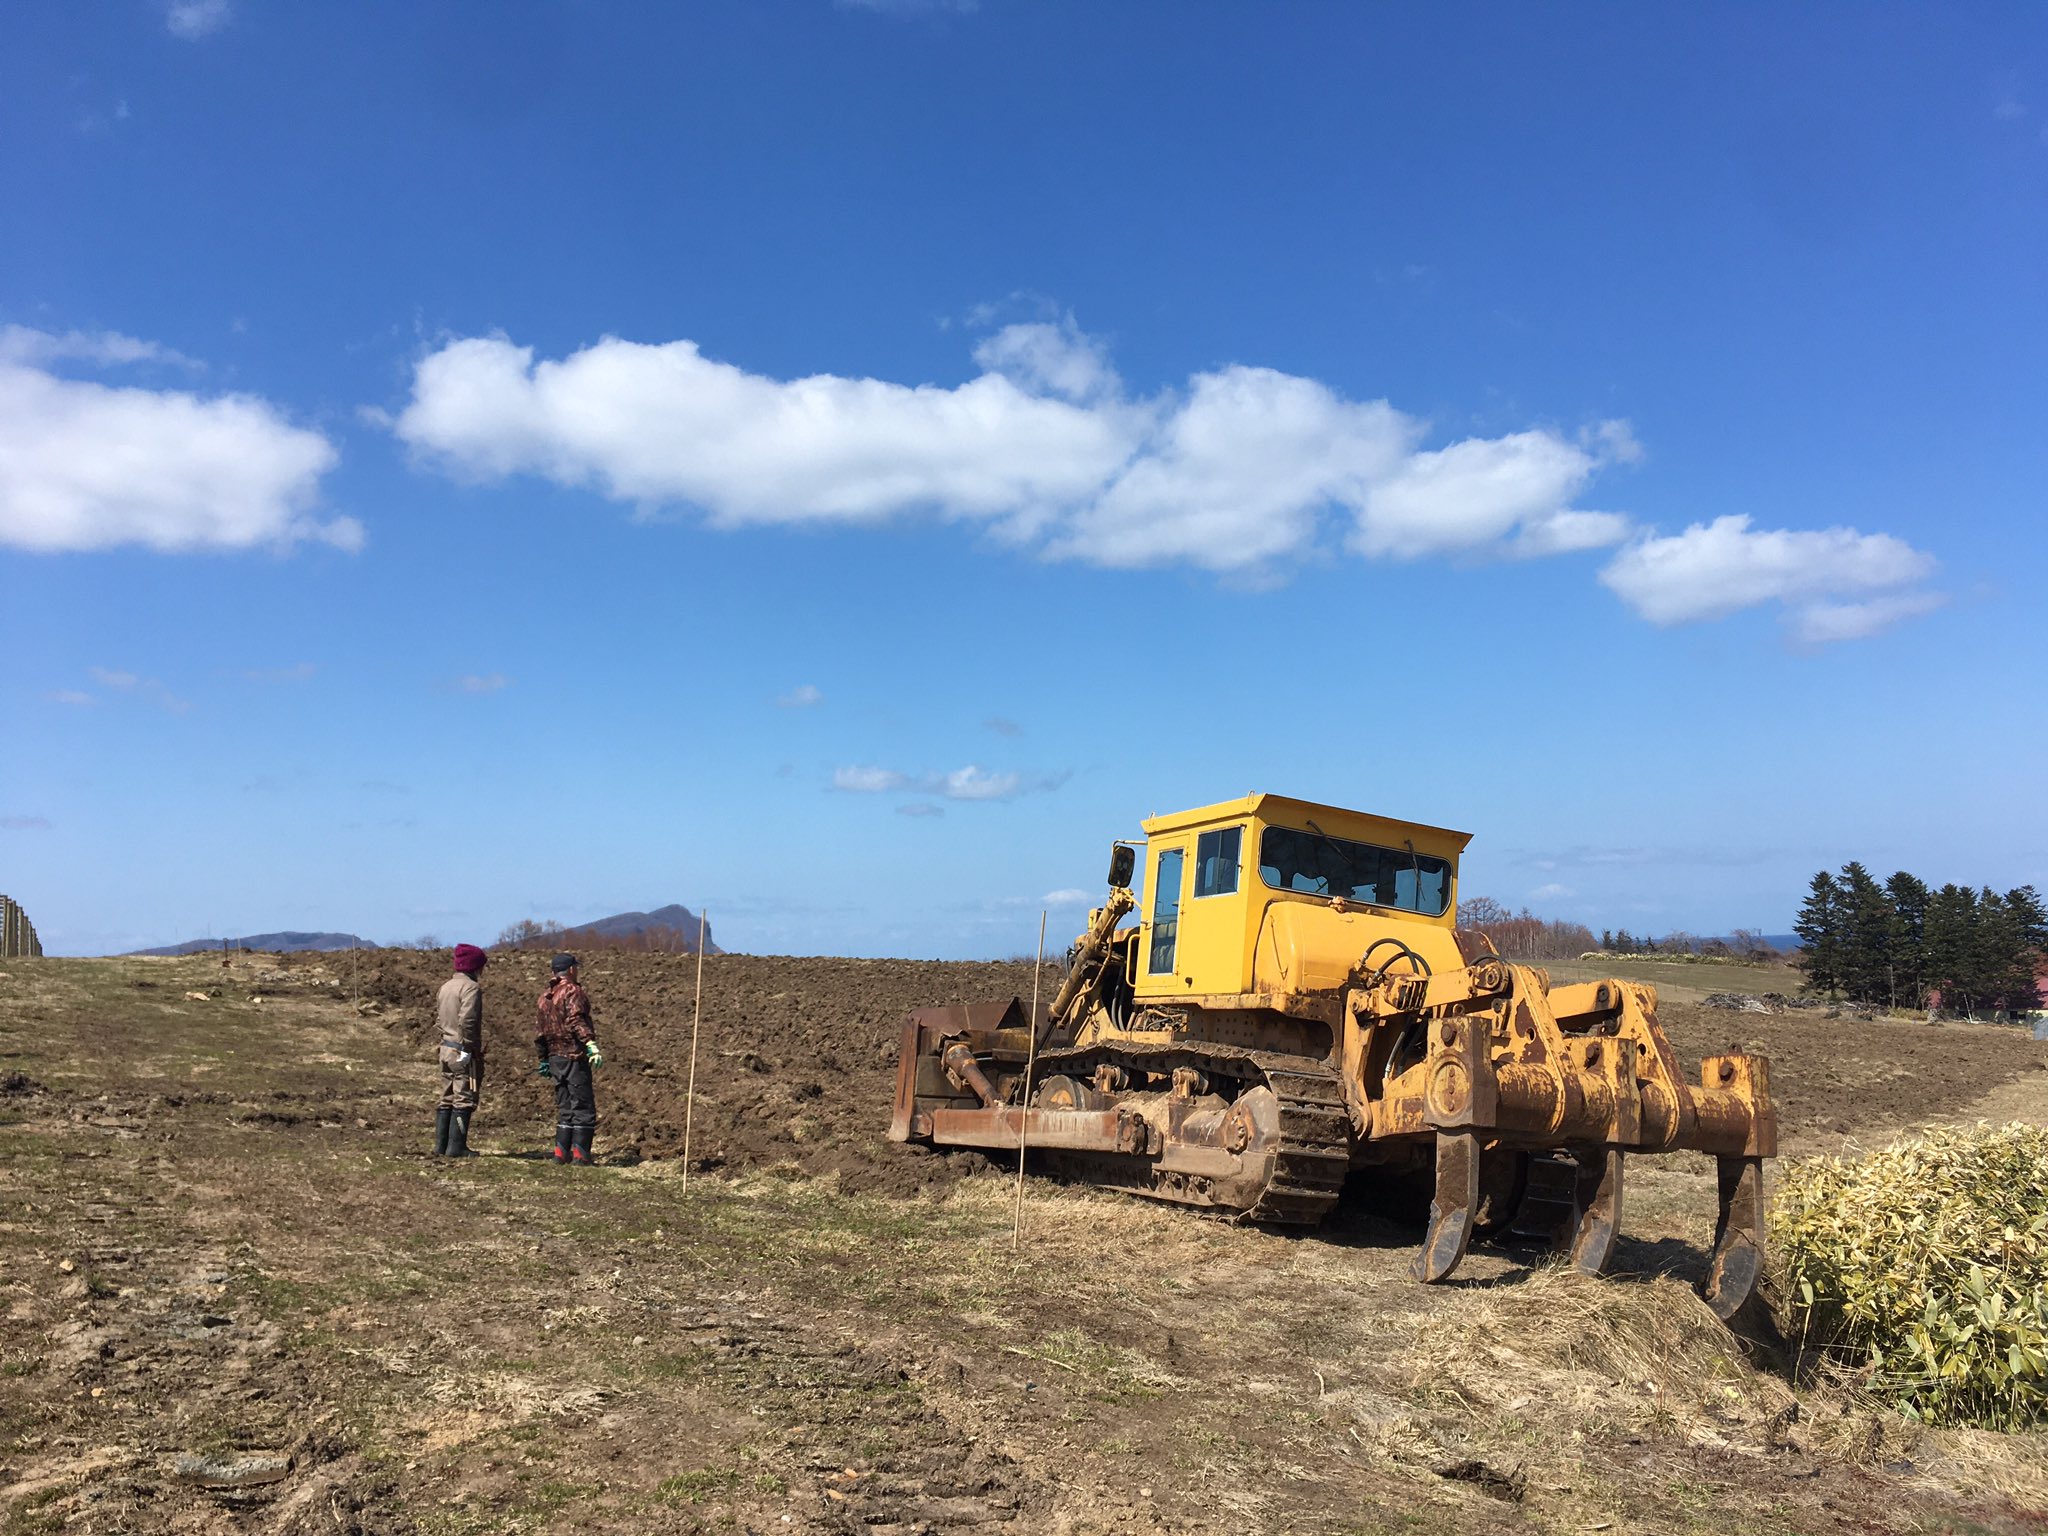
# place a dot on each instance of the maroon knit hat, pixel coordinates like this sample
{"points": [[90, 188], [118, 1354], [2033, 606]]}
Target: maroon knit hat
{"points": [[469, 958]]}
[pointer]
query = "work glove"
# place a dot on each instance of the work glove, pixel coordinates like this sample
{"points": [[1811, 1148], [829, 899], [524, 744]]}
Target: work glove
{"points": [[596, 1056], [543, 1070]]}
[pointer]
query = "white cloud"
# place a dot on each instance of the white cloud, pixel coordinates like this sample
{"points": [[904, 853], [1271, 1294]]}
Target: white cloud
{"points": [[1234, 476], [803, 696], [1244, 470], [868, 781], [492, 682], [88, 466], [664, 424], [131, 683], [1067, 897], [1551, 892], [1470, 494], [195, 18], [1825, 623], [27, 347], [1715, 569], [1045, 445], [970, 783], [1615, 440], [24, 823], [974, 783], [1563, 533], [72, 697], [1051, 360]]}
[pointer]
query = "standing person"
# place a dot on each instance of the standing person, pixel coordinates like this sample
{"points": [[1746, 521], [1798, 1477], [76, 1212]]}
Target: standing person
{"points": [[568, 1053], [461, 1011]]}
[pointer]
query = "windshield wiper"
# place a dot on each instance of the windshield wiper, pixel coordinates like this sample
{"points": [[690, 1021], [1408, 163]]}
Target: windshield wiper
{"points": [[1348, 864]]}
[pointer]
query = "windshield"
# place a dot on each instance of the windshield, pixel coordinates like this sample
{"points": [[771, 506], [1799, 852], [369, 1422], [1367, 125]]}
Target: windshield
{"points": [[1320, 865]]}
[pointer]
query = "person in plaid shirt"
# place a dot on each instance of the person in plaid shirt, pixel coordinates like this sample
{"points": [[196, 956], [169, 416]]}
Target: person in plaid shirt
{"points": [[568, 1054]]}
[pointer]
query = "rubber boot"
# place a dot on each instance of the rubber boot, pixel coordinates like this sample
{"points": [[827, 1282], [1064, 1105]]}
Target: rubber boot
{"points": [[458, 1134], [562, 1136], [579, 1145], [441, 1119]]}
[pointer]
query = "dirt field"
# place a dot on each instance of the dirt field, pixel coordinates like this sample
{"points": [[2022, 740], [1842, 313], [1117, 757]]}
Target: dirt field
{"points": [[237, 1295]]}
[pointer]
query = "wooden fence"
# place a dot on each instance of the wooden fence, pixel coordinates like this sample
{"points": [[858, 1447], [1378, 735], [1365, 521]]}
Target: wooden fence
{"points": [[17, 934]]}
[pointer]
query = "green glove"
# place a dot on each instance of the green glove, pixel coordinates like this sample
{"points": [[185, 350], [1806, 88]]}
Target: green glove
{"points": [[596, 1056], [542, 1071]]}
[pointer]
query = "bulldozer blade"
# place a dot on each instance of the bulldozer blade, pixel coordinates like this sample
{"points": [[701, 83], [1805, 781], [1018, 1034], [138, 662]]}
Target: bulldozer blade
{"points": [[1596, 1202], [1738, 1237], [1450, 1209]]}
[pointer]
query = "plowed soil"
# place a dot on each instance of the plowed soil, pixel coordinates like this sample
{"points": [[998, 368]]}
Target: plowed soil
{"points": [[797, 1057], [237, 1295]]}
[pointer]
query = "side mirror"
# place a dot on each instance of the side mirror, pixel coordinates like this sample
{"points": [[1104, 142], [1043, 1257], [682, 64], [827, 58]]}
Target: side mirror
{"points": [[1123, 860]]}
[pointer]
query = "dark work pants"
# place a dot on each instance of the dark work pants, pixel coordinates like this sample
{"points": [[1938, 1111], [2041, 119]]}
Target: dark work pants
{"points": [[575, 1097]]}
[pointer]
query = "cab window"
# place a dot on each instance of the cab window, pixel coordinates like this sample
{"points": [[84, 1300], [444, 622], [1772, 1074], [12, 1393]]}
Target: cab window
{"points": [[1216, 856], [1321, 865], [1165, 911]]}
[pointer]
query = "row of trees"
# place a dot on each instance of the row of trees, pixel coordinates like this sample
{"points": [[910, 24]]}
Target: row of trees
{"points": [[1901, 944], [1523, 935], [1742, 944]]}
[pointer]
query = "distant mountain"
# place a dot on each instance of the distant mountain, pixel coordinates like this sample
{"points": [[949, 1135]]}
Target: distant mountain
{"points": [[672, 921], [264, 941]]}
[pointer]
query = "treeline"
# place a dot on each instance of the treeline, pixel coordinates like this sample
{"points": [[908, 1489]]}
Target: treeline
{"points": [[1523, 935], [659, 939], [1903, 945], [1742, 944]]}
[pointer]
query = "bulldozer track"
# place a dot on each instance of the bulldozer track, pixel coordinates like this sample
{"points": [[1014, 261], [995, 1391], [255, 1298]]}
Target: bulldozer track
{"points": [[1548, 1211], [1314, 1153]]}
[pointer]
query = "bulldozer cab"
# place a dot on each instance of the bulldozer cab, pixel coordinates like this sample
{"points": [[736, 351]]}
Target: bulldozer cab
{"points": [[1268, 893]]}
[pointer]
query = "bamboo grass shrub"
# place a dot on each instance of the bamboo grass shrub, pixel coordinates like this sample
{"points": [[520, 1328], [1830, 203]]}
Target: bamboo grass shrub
{"points": [[1924, 1267]]}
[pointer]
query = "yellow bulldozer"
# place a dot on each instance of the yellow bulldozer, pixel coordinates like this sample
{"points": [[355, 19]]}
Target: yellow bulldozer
{"points": [[1295, 1004]]}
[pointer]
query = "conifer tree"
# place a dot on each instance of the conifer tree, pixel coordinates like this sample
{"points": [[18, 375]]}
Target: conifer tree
{"points": [[1820, 933], [2031, 914], [1909, 939], [1865, 925], [1950, 948]]}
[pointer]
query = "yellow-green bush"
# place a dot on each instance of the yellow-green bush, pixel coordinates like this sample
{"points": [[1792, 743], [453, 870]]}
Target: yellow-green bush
{"points": [[1926, 1266]]}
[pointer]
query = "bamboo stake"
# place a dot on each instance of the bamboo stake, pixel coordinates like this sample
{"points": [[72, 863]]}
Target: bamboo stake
{"points": [[696, 1017], [697, 1014], [1024, 1111]]}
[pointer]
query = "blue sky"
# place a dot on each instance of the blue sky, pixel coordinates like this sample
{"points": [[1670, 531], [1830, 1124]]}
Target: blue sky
{"points": [[841, 465]]}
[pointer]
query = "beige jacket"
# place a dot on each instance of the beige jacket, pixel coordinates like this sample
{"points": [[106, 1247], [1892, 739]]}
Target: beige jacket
{"points": [[461, 1008]]}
